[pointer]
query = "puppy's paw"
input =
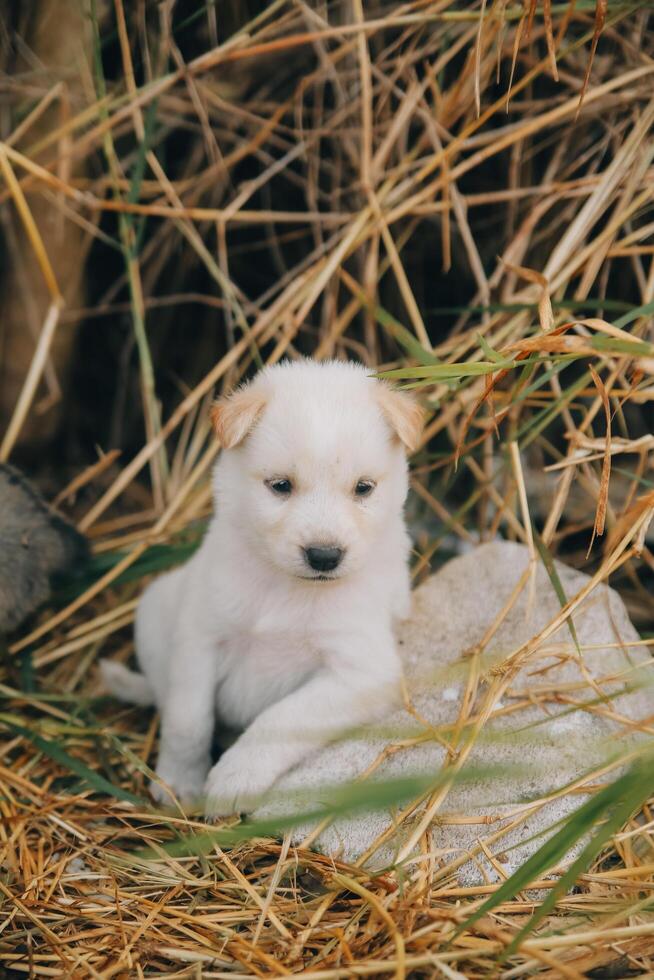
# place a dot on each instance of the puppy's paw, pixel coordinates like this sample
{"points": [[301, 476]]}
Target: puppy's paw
{"points": [[161, 794], [237, 783], [178, 784]]}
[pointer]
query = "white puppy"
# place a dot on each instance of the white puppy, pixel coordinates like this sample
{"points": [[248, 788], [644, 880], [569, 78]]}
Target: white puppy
{"points": [[281, 624]]}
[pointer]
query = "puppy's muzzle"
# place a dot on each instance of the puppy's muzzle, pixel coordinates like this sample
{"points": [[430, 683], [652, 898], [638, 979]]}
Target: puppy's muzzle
{"points": [[323, 558]]}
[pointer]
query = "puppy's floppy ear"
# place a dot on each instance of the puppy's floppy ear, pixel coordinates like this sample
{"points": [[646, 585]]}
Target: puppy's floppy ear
{"points": [[403, 413], [233, 416]]}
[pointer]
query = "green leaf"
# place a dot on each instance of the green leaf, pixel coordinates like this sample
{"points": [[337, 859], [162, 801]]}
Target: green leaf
{"points": [[27, 675], [157, 558]]}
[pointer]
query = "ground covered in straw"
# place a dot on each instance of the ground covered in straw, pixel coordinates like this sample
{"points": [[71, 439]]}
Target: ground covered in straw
{"points": [[459, 194]]}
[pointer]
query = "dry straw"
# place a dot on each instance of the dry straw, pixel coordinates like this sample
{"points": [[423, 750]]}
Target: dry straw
{"points": [[381, 143]]}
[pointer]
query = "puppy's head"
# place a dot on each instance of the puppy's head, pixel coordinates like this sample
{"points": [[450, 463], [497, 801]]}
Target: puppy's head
{"points": [[315, 474]]}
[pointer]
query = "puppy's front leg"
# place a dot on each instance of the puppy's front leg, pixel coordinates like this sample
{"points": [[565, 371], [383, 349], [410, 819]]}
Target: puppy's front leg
{"points": [[359, 682], [187, 723]]}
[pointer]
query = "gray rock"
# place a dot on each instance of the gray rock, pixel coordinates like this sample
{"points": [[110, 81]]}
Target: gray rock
{"points": [[36, 543], [540, 740]]}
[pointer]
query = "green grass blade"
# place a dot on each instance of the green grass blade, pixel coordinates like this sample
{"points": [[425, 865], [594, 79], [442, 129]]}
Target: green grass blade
{"points": [[489, 351], [447, 372], [60, 756], [557, 585], [635, 314], [613, 345], [557, 304], [338, 801], [412, 346], [532, 429], [617, 800], [620, 800]]}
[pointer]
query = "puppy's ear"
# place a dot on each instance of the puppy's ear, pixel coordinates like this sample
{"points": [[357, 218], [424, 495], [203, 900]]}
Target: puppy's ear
{"points": [[233, 416], [403, 413]]}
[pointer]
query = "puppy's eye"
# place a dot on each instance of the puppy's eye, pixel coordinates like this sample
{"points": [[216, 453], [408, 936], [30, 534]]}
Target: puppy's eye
{"points": [[282, 487], [364, 488]]}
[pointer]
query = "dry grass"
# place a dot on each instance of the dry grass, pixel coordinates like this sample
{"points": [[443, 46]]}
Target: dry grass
{"points": [[354, 155]]}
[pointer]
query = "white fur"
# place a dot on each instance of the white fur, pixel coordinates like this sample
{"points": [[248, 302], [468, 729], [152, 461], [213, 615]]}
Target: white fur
{"points": [[241, 633]]}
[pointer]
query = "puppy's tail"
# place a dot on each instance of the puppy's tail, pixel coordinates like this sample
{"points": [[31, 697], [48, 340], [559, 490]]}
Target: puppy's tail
{"points": [[126, 685]]}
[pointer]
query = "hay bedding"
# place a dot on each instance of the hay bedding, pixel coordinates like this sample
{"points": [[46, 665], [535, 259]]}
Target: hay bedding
{"points": [[79, 899], [333, 176], [76, 904]]}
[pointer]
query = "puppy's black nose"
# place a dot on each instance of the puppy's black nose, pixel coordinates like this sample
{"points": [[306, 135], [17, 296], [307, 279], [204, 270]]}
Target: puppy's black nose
{"points": [[323, 559]]}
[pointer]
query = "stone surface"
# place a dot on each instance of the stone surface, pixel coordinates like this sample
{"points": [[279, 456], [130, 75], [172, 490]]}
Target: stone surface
{"points": [[36, 544], [537, 730]]}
